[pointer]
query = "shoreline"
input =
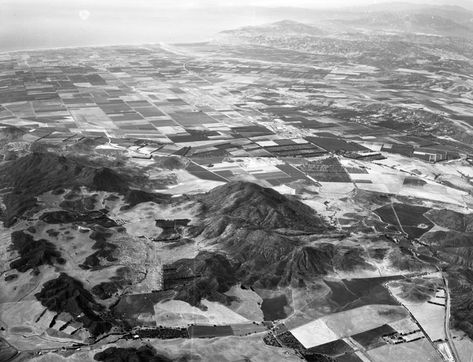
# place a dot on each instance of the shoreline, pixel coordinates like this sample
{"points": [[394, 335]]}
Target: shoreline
{"points": [[160, 44], [76, 47]]}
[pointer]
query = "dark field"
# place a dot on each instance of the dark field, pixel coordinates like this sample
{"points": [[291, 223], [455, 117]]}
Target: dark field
{"points": [[373, 338], [411, 218], [273, 308], [209, 331], [7, 353], [144, 353], [335, 144], [348, 294], [452, 220], [130, 306], [414, 181], [202, 173], [350, 357], [326, 170], [162, 333], [333, 349], [192, 118], [252, 131]]}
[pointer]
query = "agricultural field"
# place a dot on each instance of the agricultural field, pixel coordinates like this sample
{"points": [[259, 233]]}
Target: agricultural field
{"points": [[413, 351], [428, 310], [409, 219], [346, 324]]}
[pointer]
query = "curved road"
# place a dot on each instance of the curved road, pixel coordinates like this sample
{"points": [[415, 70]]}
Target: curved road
{"points": [[447, 321]]}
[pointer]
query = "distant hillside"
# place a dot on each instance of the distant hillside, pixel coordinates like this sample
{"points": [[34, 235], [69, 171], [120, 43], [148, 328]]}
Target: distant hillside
{"points": [[283, 27], [433, 22], [375, 19]]}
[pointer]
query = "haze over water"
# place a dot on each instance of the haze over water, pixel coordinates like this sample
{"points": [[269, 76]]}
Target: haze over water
{"points": [[31, 27], [35, 24]]}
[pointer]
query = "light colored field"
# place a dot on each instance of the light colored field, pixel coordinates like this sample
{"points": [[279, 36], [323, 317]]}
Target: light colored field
{"points": [[404, 326], [26, 285], [314, 333], [5, 240], [463, 345], [364, 318], [227, 349], [27, 331], [142, 226], [141, 219], [345, 324], [429, 172], [44, 341], [25, 314], [436, 192], [308, 303], [420, 350], [456, 180], [248, 303], [374, 187], [92, 118], [380, 269], [336, 189], [430, 316], [285, 190], [256, 165], [248, 328], [189, 184], [178, 313], [382, 178], [388, 176]]}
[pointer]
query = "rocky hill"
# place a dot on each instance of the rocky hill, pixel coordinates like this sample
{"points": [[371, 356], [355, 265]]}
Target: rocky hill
{"points": [[260, 238], [25, 178], [246, 204]]}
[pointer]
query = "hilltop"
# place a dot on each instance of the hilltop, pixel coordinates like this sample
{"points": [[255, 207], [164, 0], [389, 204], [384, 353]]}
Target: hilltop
{"points": [[351, 22], [245, 203]]}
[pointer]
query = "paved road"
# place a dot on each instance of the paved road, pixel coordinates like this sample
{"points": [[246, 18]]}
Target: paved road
{"points": [[448, 334]]}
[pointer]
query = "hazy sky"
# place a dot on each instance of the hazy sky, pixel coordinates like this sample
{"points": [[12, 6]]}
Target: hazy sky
{"points": [[206, 3], [188, 4], [27, 24]]}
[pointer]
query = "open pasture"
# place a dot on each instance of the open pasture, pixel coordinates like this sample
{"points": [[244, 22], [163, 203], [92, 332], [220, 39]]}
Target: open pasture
{"points": [[415, 351], [344, 324]]}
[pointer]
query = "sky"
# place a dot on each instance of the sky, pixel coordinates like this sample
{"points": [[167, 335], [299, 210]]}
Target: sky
{"points": [[187, 4], [32, 24]]}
